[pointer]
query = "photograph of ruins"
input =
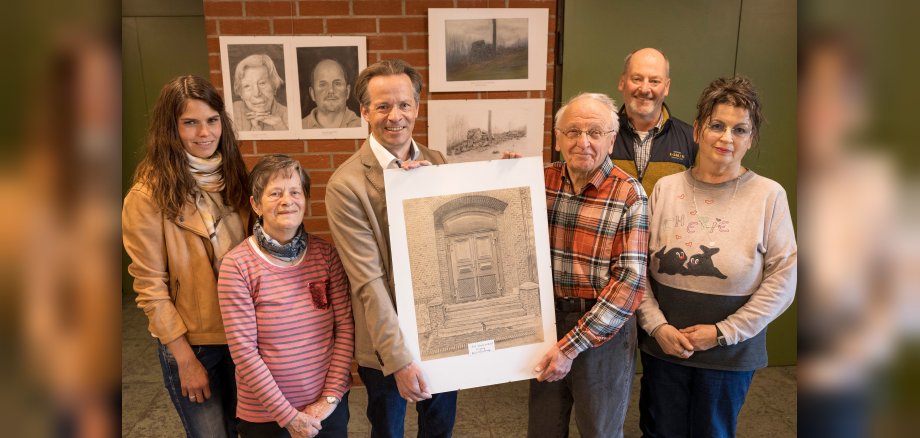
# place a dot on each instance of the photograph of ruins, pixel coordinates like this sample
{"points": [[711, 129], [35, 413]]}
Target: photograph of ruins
{"points": [[477, 130], [474, 273]]}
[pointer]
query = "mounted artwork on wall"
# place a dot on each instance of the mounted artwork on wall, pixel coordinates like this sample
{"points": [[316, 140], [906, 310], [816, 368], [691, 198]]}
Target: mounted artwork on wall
{"points": [[258, 89], [473, 279], [487, 49], [477, 130], [326, 70], [293, 87]]}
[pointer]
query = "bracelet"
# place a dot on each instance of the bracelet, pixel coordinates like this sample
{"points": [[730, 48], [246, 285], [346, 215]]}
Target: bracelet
{"points": [[652, 334]]}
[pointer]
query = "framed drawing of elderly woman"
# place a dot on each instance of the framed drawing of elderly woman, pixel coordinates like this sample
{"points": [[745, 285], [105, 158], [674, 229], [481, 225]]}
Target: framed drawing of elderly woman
{"points": [[326, 71], [256, 73]]}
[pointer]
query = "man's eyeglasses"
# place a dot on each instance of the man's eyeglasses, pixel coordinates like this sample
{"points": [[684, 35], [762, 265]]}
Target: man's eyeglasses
{"points": [[593, 134]]}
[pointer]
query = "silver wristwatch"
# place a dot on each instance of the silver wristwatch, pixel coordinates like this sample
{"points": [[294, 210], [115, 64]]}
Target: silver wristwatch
{"points": [[720, 338], [332, 400]]}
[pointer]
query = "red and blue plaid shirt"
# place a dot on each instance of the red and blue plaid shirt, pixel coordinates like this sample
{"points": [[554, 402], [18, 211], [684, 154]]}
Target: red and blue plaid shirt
{"points": [[599, 248]]}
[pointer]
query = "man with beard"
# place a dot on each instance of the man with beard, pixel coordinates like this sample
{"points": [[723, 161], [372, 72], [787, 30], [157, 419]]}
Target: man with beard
{"points": [[651, 143], [329, 89]]}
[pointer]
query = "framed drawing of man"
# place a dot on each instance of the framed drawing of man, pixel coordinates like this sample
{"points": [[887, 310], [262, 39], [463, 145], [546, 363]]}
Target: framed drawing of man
{"points": [[471, 264], [326, 72], [256, 86]]}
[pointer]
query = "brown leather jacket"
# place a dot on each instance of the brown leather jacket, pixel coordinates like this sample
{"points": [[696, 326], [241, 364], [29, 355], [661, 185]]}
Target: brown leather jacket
{"points": [[171, 265]]}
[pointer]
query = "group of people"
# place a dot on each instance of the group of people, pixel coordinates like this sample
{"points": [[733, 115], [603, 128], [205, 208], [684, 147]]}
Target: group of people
{"points": [[257, 321], [256, 82]]}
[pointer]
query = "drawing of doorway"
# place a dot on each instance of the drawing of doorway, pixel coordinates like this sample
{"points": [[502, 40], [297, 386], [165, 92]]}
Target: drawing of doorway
{"points": [[474, 266]]}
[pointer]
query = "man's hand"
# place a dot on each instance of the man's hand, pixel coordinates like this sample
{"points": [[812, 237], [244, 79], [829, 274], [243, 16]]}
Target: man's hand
{"points": [[673, 342], [702, 336], [320, 409], [509, 154], [553, 366], [411, 383], [408, 165], [303, 426]]}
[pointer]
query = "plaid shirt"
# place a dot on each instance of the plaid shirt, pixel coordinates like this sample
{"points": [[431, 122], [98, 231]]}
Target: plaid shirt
{"points": [[599, 245], [644, 145]]}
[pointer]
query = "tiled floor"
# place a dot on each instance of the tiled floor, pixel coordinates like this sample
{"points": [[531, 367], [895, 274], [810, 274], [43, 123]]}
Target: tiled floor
{"points": [[494, 411]]}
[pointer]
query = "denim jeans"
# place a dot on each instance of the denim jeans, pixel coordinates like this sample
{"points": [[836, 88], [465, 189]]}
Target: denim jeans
{"points": [[386, 409], [217, 416], [677, 400], [334, 426], [597, 387]]}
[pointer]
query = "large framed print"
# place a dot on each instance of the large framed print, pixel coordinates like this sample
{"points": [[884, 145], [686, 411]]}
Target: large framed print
{"points": [[471, 264], [487, 49], [259, 86], [478, 130], [326, 71]]}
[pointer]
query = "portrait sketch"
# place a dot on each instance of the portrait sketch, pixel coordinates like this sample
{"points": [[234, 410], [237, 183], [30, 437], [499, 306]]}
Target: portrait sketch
{"points": [[470, 259], [326, 71], [487, 49], [484, 284], [257, 89], [475, 130]]}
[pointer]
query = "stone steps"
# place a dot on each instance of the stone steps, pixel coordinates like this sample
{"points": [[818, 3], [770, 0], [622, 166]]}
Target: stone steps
{"points": [[511, 323]]}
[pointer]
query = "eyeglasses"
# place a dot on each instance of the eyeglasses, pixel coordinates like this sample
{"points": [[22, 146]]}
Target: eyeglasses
{"points": [[737, 131], [593, 134]]}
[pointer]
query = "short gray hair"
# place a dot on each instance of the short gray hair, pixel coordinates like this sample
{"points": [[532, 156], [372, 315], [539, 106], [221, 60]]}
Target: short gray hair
{"points": [[667, 62], [600, 98], [272, 165], [256, 60]]}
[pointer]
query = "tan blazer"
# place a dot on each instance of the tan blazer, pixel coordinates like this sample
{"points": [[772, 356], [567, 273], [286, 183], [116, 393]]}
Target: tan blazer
{"points": [[171, 265], [357, 212]]}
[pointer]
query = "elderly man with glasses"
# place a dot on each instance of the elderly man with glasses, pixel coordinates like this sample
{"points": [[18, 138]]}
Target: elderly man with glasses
{"points": [[598, 225]]}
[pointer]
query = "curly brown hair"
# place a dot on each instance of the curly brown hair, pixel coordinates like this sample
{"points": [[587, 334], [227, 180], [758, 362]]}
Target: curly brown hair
{"points": [[738, 92], [165, 168]]}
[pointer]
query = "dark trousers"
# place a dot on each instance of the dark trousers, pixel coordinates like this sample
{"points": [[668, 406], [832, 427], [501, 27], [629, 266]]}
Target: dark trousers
{"points": [[597, 386], [386, 409], [334, 426], [678, 400]]}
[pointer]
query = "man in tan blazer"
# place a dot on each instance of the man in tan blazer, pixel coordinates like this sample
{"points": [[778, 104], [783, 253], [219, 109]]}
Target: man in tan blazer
{"points": [[389, 92]]}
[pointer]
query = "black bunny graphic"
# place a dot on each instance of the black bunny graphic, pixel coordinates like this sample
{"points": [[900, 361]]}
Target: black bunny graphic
{"points": [[672, 262], [701, 264]]}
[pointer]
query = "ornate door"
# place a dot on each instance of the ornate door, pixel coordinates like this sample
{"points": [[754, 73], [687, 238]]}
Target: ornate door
{"points": [[473, 266]]}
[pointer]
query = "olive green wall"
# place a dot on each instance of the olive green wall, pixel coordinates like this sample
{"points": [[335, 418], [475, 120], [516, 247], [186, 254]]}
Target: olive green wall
{"points": [[703, 40], [160, 40]]}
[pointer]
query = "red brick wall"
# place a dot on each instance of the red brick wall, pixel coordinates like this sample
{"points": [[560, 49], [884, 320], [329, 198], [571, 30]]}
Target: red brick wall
{"points": [[394, 29]]}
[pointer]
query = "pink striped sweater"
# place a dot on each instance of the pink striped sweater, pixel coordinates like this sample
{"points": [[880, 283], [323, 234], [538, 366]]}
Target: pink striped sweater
{"points": [[290, 329]]}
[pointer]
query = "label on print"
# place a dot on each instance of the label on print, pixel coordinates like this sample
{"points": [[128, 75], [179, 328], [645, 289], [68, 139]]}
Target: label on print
{"points": [[481, 347]]}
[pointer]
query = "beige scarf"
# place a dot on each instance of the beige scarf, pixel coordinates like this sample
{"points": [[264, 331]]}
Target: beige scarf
{"points": [[223, 223]]}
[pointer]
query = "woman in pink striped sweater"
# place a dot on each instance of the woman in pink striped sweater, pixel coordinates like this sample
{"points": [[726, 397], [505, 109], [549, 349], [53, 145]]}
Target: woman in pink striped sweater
{"points": [[287, 312]]}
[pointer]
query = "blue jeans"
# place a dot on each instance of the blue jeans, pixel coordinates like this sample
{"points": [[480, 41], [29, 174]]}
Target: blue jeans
{"points": [[678, 400], [597, 387], [386, 410], [334, 426], [217, 416]]}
